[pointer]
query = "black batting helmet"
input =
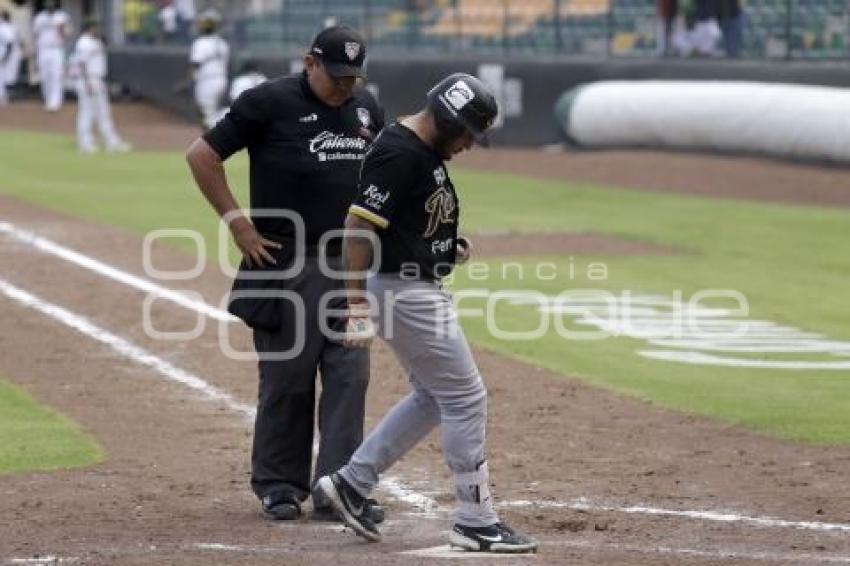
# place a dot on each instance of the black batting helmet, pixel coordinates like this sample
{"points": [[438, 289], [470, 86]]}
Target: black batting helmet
{"points": [[461, 102]]}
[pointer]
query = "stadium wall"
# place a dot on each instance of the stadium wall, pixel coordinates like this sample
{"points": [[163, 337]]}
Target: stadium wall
{"points": [[528, 88]]}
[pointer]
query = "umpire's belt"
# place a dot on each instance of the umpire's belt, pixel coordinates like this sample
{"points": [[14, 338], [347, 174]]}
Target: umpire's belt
{"points": [[247, 300], [333, 248]]}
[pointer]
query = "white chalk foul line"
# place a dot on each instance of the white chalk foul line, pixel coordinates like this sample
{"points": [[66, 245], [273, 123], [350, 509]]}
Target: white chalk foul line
{"points": [[447, 552], [49, 559], [86, 262], [707, 515], [426, 506], [125, 348]]}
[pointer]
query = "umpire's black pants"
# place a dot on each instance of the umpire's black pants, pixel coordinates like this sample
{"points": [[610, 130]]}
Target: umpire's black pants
{"points": [[283, 430]]}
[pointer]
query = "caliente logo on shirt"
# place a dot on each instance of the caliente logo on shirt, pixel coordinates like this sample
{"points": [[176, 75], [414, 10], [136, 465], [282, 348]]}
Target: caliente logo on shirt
{"points": [[328, 146]]}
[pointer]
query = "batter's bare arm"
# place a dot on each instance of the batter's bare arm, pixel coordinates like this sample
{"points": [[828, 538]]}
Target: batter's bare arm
{"points": [[357, 256], [208, 170]]}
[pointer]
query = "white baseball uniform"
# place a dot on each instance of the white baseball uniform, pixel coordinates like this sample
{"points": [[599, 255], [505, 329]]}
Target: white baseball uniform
{"points": [[211, 54], [185, 9], [168, 19], [243, 82], [49, 31], [93, 96], [7, 39], [9, 71]]}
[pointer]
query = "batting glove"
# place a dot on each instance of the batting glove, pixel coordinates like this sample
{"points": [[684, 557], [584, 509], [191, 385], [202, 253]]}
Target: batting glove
{"points": [[464, 250], [359, 328]]}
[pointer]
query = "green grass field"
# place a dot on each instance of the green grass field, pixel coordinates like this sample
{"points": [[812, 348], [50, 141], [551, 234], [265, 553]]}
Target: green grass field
{"points": [[790, 262], [33, 438]]}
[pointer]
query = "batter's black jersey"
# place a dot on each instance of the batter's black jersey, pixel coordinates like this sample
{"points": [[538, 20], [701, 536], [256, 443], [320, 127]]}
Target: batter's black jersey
{"points": [[304, 154], [405, 190]]}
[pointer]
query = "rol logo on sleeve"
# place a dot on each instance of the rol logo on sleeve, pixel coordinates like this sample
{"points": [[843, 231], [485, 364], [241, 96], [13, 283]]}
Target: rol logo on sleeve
{"points": [[375, 198]]}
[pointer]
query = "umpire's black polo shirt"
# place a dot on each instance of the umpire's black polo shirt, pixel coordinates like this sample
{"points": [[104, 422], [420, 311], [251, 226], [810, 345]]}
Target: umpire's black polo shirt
{"points": [[305, 155]]}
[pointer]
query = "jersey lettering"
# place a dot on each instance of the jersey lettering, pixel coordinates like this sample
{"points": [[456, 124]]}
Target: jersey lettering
{"points": [[439, 207], [328, 141]]}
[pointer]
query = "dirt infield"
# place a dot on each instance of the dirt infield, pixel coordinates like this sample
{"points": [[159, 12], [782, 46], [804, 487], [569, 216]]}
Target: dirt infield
{"points": [[599, 478]]}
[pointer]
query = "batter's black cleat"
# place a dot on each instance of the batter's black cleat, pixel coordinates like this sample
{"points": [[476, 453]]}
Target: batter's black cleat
{"points": [[495, 538], [326, 513], [281, 506], [376, 511], [351, 507]]}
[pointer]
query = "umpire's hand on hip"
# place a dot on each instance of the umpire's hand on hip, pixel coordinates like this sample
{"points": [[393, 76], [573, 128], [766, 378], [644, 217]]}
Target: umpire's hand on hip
{"points": [[252, 244]]}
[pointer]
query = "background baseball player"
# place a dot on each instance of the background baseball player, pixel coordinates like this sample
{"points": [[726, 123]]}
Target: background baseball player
{"points": [[407, 197], [9, 70], [89, 69], [208, 59], [51, 28], [306, 135], [247, 77], [7, 44]]}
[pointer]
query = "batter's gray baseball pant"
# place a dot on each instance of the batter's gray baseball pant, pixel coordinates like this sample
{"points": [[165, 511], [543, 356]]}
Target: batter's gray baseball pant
{"points": [[419, 322]]}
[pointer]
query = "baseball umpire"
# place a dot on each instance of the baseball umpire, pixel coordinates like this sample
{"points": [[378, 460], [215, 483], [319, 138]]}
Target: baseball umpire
{"points": [[306, 136], [407, 197]]}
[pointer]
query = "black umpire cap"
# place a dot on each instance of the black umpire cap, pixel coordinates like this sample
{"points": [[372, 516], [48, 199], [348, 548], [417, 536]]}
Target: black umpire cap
{"points": [[341, 50]]}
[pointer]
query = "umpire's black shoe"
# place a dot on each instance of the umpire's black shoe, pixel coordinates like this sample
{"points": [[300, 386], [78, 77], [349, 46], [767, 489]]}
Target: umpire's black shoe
{"points": [[352, 508], [281, 506], [495, 538]]}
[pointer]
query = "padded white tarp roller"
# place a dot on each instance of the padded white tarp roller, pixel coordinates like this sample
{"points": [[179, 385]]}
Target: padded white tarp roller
{"points": [[775, 119]]}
